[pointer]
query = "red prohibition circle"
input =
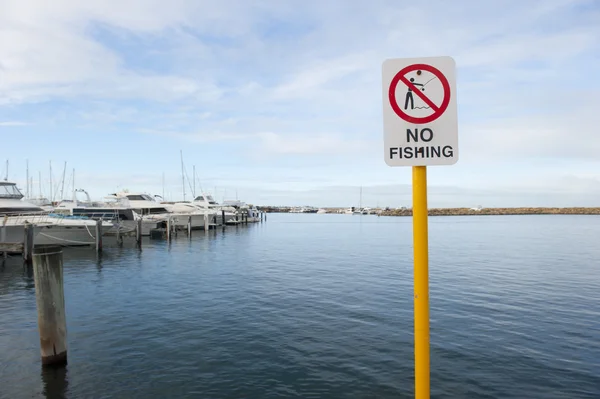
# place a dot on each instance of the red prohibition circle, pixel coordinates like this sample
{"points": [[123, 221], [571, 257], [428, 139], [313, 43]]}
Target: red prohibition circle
{"points": [[400, 76]]}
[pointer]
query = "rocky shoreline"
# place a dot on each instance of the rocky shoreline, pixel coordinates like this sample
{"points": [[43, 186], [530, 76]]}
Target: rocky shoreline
{"points": [[497, 211], [464, 211]]}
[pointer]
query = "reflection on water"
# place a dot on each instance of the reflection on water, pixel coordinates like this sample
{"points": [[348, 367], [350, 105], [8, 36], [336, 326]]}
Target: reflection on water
{"points": [[55, 382], [319, 306]]}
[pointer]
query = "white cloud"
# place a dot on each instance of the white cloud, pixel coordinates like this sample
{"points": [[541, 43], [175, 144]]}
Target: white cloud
{"points": [[13, 123], [325, 143]]}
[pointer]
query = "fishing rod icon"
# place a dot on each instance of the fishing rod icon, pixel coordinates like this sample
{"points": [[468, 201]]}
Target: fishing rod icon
{"points": [[409, 93]]}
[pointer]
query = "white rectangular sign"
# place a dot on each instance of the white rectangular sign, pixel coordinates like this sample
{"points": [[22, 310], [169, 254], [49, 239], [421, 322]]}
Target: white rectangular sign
{"points": [[420, 121]]}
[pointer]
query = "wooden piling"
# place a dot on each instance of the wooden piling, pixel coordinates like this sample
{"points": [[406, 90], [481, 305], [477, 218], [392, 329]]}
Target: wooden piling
{"points": [[206, 225], [189, 226], [119, 238], [50, 299], [99, 235], [138, 232], [223, 217], [28, 243], [3, 239], [169, 228]]}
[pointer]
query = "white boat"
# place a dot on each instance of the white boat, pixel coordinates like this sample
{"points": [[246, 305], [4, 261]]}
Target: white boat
{"points": [[206, 201], [252, 213], [358, 211], [51, 228], [13, 232], [198, 217], [116, 209], [153, 214], [321, 210], [42, 202]]}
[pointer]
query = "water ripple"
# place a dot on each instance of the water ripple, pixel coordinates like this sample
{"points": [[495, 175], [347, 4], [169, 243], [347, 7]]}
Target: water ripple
{"points": [[320, 306]]}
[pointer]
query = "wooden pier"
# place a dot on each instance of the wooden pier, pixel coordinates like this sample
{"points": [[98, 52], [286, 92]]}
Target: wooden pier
{"points": [[171, 229]]}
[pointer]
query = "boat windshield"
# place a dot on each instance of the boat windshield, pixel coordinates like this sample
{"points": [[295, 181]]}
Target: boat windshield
{"points": [[10, 190], [210, 200], [141, 197], [206, 198]]}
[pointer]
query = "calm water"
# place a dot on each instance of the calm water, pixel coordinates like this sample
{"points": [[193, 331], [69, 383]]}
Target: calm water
{"points": [[320, 306]]}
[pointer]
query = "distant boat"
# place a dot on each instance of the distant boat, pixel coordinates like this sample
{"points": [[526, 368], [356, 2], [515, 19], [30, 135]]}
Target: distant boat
{"points": [[358, 211], [50, 228]]}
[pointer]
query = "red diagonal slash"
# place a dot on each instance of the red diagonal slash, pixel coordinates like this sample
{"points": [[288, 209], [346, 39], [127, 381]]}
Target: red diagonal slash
{"points": [[418, 92]]}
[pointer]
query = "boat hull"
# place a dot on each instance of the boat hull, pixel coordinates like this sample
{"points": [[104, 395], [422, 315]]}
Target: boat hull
{"points": [[15, 234], [70, 233], [197, 221]]}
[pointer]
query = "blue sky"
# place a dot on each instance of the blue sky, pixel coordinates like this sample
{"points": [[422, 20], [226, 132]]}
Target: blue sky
{"points": [[281, 100]]}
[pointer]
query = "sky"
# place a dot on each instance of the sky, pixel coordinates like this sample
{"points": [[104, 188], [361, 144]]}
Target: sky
{"points": [[280, 102]]}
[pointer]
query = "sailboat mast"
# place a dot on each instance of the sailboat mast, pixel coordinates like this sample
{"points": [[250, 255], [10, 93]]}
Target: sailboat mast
{"points": [[182, 174], [27, 191], [51, 196], [40, 183], [6, 176], [194, 189], [163, 186], [74, 192], [360, 200], [62, 188]]}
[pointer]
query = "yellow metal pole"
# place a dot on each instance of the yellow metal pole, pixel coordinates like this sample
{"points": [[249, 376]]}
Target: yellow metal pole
{"points": [[421, 256]]}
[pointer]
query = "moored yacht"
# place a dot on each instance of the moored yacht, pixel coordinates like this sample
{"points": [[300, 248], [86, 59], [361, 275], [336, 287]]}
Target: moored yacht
{"points": [[50, 228], [206, 201], [188, 212], [118, 209], [241, 207]]}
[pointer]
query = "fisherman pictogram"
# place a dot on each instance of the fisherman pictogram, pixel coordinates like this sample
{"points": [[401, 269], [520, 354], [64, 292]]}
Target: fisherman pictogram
{"points": [[409, 94]]}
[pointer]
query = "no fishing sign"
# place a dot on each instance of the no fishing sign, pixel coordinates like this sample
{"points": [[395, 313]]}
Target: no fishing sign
{"points": [[420, 121]]}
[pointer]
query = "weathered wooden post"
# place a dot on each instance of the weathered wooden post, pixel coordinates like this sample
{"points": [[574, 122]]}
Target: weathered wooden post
{"points": [[223, 217], [28, 243], [138, 232], [189, 226], [119, 242], [206, 226], [50, 299], [99, 235], [3, 238], [169, 228]]}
